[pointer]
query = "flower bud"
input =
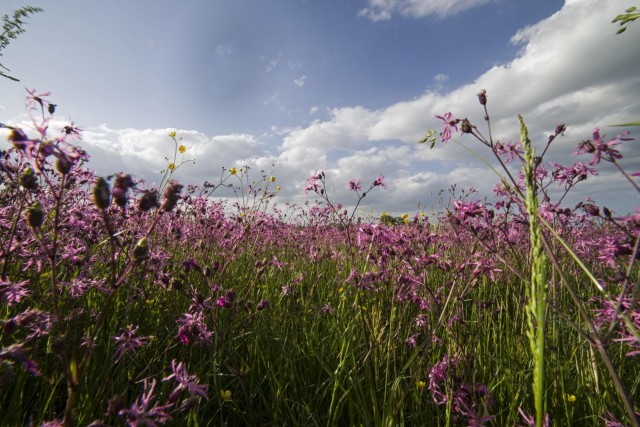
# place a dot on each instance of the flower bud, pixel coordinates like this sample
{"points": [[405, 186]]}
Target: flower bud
{"points": [[591, 209], [482, 97], [63, 165], [466, 127], [101, 196], [141, 251], [148, 200], [171, 195], [28, 179], [35, 215]]}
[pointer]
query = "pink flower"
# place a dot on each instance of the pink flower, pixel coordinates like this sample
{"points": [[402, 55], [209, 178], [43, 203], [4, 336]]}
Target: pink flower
{"points": [[448, 124]]}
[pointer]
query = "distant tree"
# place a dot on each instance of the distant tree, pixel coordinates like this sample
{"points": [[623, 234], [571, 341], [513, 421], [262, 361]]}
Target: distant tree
{"points": [[630, 15], [11, 28]]}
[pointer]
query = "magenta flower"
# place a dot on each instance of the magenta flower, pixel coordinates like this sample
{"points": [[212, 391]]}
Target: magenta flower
{"points": [[13, 293], [448, 124], [312, 182], [185, 382], [599, 148], [355, 184], [141, 413], [379, 182], [126, 343]]}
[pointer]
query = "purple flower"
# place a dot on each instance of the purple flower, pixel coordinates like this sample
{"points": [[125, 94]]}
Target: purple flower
{"points": [[355, 184], [193, 326], [126, 343], [13, 293], [141, 413], [312, 182], [379, 182], [18, 352], [185, 382], [448, 124], [599, 148]]}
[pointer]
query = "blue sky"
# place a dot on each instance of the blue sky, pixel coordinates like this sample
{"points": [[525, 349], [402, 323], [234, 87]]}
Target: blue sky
{"points": [[344, 86]]}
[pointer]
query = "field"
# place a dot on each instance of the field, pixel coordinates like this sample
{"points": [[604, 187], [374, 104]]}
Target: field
{"points": [[122, 304]]}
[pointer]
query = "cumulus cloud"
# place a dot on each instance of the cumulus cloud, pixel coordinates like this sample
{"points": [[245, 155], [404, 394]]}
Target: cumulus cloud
{"points": [[571, 68], [383, 10]]}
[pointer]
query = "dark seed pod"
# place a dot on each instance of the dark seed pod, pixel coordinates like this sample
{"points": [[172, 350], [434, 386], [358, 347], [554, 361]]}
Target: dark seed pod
{"points": [[28, 179], [35, 215], [101, 194], [141, 251]]}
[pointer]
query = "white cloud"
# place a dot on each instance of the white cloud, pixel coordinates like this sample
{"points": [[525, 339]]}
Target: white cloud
{"points": [[224, 50], [383, 10], [571, 68], [300, 81]]}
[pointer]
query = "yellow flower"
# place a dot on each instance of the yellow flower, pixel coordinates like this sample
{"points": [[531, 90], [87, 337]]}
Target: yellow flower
{"points": [[233, 171], [182, 149], [172, 134], [272, 178], [171, 166], [420, 384], [571, 398], [225, 395], [278, 188]]}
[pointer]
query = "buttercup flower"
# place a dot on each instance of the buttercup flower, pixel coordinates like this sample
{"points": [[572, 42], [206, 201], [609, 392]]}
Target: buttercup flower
{"points": [[225, 395], [233, 171], [182, 149], [172, 134]]}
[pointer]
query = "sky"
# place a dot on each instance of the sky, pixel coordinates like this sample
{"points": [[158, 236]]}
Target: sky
{"points": [[347, 87]]}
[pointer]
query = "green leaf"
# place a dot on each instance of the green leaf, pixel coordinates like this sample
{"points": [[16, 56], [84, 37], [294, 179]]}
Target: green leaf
{"points": [[628, 124]]}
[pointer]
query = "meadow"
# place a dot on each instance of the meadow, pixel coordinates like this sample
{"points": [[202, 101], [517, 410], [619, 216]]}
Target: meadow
{"points": [[123, 304]]}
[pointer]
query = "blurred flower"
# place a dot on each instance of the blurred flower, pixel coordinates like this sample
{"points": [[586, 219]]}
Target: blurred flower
{"points": [[225, 395], [140, 413], [379, 182], [13, 293], [355, 184], [172, 134], [171, 166], [185, 382], [182, 149], [126, 343], [571, 398], [233, 171], [272, 178], [420, 384]]}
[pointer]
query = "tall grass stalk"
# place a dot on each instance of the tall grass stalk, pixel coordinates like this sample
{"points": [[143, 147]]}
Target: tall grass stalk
{"points": [[537, 288]]}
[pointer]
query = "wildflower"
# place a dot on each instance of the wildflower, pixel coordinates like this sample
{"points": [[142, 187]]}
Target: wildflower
{"points": [[278, 188], [140, 412], [172, 134], [599, 148], [182, 149], [420, 385], [272, 179], [355, 184], [185, 382], [312, 182], [18, 352], [233, 171], [379, 182], [448, 125], [225, 395], [121, 187], [571, 398], [126, 343], [263, 304], [171, 166], [13, 293]]}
